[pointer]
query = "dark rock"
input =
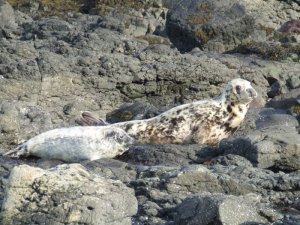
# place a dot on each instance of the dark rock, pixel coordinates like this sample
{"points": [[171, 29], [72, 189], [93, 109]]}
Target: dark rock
{"points": [[290, 27], [169, 186], [51, 68], [50, 27], [195, 23], [204, 209], [132, 17], [113, 169], [276, 89], [273, 119], [231, 160], [132, 111], [276, 147], [168, 155], [286, 100], [64, 9], [296, 204], [257, 118]]}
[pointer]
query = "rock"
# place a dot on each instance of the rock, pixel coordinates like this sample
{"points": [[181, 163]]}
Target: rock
{"points": [[236, 21], [291, 27], [168, 155], [133, 17], [192, 179], [231, 160], [276, 118], [277, 148], [47, 28], [167, 187], [285, 100], [38, 9], [257, 118], [132, 111], [112, 168], [65, 194], [204, 209], [55, 63], [16, 117], [294, 82], [7, 16]]}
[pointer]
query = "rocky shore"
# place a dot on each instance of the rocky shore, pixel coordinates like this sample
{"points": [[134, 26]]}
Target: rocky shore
{"points": [[125, 60]]}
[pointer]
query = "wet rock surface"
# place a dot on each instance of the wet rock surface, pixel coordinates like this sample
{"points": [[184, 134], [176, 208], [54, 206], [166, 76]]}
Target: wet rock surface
{"points": [[119, 64]]}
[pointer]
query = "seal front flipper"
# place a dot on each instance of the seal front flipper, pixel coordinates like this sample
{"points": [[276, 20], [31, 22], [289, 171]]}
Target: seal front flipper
{"points": [[88, 119], [21, 150]]}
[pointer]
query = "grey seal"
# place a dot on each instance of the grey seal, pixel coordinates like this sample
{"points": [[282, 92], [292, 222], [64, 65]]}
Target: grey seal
{"points": [[205, 121], [75, 144]]}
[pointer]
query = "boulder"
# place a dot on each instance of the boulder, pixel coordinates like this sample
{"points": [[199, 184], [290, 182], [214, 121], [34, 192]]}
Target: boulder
{"points": [[133, 17], [7, 16], [206, 208], [161, 190], [221, 26], [277, 147], [169, 154], [132, 111], [65, 194]]}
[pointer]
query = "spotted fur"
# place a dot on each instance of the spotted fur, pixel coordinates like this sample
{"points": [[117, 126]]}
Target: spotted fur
{"points": [[205, 121]]}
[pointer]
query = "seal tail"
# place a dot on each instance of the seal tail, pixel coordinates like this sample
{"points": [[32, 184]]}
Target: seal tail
{"points": [[88, 119], [17, 152]]}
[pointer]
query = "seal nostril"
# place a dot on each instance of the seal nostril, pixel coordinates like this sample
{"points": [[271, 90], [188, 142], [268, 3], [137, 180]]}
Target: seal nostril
{"points": [[251, 92]]}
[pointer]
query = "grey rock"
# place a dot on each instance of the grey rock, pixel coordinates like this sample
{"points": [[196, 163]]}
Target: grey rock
{"points": [[231, 160], [132, 111], [65, 194], [276, 147], [195, 23], [167, 187], [204, 209], [285, 100], [192, 179], [16, 116], [274, 119], [258, 118], [7, 16], [169, 155], [47, 28], [52, 68], [134, 18], [294, 81], [112, 168]]}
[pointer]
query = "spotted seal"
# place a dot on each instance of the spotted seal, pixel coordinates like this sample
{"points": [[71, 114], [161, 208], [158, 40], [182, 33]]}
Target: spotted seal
{"points": [[205, 122], [75, 144]]}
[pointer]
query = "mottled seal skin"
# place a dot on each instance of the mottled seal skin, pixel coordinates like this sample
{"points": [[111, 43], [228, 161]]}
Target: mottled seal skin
{"points": [[76, 144], [205, 122]]}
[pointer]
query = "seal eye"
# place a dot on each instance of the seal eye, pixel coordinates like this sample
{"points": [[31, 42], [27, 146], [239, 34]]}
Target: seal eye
{"points": [[238, 89]]}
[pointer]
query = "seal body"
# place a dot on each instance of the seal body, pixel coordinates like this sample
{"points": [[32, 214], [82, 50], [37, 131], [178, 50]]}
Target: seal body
{"points": [[76, 144], [205, 122]]}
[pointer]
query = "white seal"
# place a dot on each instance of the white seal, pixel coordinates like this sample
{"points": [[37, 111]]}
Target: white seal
{"points": [[76, 144]]}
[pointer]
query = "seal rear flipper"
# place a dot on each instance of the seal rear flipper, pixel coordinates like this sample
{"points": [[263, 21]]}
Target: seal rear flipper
{"points": [[21, 150], [88, 119]]}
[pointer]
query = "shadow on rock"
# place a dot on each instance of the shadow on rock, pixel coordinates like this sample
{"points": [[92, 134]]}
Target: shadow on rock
{"points": [[169, 154]]}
